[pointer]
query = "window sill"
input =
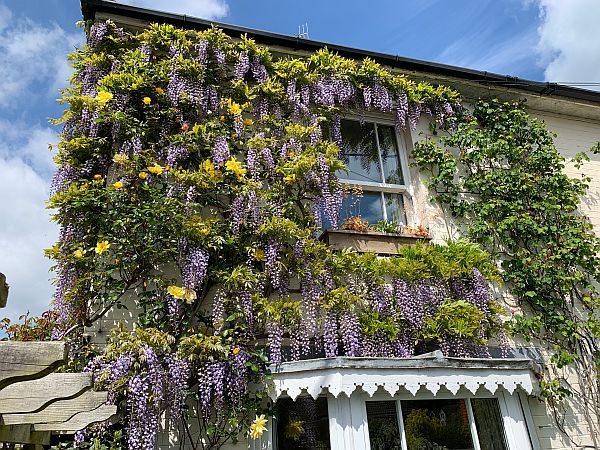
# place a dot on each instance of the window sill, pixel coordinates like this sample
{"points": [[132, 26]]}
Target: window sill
{"points": [[369, 241]]}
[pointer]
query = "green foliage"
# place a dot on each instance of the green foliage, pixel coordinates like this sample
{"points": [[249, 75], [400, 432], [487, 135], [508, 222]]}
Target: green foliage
{"points": [[454, 318], [500, 175], [136, 207]]}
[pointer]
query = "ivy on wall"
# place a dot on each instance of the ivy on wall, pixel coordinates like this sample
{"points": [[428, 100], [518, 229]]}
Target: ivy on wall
{"points": [[499, 174]]}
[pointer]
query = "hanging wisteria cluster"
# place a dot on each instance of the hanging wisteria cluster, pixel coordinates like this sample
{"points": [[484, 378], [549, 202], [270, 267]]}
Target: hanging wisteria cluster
{"points": [[193, 175]]}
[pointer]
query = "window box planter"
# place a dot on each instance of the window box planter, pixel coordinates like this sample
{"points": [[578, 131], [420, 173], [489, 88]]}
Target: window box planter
{"points": [[369, 241]]}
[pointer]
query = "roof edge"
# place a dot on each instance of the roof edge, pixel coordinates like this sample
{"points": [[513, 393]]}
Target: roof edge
{"points": [[90, 8]]}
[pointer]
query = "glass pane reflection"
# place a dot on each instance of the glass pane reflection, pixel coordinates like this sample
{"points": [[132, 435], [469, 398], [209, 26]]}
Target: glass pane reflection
{"points": [[394, 206], [359, 152], [368, 207], [384, 433], [488, 421], [390, 154], [302, 424], [436, 424]]}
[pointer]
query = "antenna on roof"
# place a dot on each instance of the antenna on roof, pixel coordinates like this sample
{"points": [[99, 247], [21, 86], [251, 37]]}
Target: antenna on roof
{"points": [[303, 31]]}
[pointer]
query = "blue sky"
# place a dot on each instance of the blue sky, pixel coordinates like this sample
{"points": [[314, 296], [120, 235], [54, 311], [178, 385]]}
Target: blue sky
{"points": [[553, 40]]}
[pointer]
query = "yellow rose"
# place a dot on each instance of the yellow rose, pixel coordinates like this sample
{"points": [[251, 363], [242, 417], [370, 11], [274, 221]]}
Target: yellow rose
{"points": [[101, 247], [103, 97], [147, 100], [182, 293], [259, 254], [290, 179], [78, 253], [235, 167], [233, 107], [156, 169], [258, 427], [143, 175], [208, 167], [118, 185], [120, 158]]}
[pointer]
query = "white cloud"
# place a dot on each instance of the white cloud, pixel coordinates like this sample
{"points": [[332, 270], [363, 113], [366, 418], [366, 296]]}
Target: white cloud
{"points": [[475, 51], [33, 64], [205, 9], [32, 55], [569, 40], [5, 16], [25, 229]]}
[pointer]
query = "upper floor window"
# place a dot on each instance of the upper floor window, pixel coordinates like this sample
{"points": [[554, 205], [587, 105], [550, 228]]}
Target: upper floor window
{"points": [[376, 181]]}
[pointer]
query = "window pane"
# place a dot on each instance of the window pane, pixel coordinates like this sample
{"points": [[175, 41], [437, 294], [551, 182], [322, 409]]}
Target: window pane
{"points": [[434, 424], [359, 152], [302, 424], [488, 421], [394, 206], [382, 419], [390, 154], [367, 206]]}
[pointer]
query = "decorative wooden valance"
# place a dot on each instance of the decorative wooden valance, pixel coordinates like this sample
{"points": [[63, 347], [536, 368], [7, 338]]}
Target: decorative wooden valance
{"points": [[432, 373]]}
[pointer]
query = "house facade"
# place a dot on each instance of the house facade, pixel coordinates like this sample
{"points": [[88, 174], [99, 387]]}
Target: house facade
{"points": [[427, 399]]}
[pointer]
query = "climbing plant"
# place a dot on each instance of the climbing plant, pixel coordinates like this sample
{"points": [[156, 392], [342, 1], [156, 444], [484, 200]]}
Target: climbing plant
{"points": [[499, 175], [194, 171]]}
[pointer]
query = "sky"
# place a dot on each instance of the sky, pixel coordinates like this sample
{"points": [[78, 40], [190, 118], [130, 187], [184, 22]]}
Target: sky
{"points": [[545, 40]]}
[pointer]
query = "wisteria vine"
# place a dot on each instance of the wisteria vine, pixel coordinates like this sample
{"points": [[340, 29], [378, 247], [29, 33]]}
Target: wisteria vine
{"points": [[193, 174]]}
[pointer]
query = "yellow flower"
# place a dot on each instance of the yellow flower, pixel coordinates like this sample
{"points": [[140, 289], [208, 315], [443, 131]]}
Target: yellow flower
{"points": [[208, 167], [258, 427], [204, 231], [120, 158], [233, 107], [147, 100], [118, 185], [290, 179], [248, 122], [235, 167], [182, 293], [97, 177], [78, 253], [159, 91], [222, 118], [156, 169], [236, 350], [103, 97], [259, 254], [101, 247], [294, 429], [143, 175]]}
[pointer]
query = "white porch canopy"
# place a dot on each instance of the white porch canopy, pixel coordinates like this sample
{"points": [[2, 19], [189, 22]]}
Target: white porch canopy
{"points": [[432, 372]]}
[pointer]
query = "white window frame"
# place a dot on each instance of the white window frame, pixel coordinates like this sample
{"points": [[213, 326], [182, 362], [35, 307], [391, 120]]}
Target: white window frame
{"points": [[348, 426], [406, 189]]}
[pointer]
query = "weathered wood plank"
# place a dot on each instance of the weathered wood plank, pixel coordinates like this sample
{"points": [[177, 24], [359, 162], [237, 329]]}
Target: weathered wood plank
{"points": [[3, 290], [371, 241], [60, 411], [21, 361], [23, 434], [79, 421], [31, 396]]}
